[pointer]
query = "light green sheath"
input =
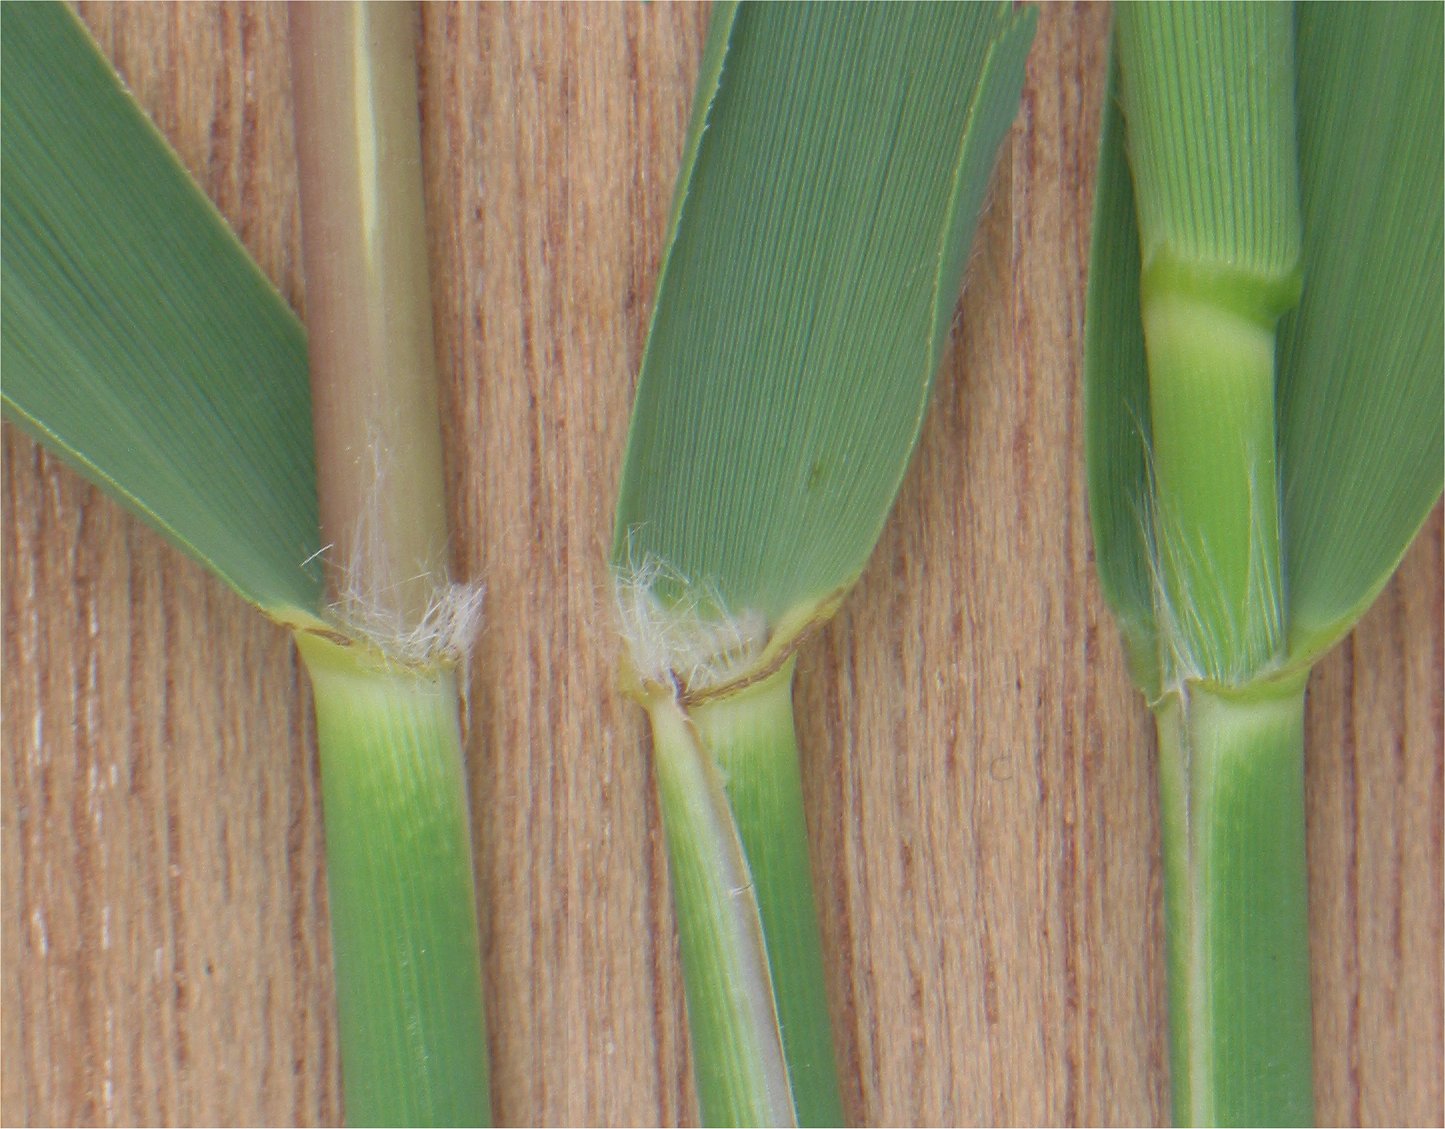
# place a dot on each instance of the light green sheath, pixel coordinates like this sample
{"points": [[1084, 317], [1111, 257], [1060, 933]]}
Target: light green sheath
{"points": [[399, 876], [1231, 782]]}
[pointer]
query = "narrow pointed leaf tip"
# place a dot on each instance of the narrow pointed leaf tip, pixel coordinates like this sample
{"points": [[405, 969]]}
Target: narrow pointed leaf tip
{"points": [[138, 337], [832, 178]]}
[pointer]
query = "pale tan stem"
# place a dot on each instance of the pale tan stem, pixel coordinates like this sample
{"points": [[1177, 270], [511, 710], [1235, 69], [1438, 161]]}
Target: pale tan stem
{"points": [[373, 362]]}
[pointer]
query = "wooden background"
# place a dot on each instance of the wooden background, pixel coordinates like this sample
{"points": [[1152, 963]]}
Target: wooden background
{"points": [[979, 772]]}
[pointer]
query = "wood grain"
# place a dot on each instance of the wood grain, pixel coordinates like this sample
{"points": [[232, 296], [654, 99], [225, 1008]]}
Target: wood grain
{"points": [[979, 773]]}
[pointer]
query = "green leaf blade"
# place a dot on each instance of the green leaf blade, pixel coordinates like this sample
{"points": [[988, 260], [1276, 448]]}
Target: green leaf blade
{"points": [[794, 343], [1360, 393], [138, 338]]}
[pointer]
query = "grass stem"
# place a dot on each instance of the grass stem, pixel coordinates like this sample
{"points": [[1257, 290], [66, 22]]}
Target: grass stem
{"points": [[399, 875], [398, 841], [732, 802], [738, 1058], [1211, 379], [368, 307], [751, 737], [1236, 885]]}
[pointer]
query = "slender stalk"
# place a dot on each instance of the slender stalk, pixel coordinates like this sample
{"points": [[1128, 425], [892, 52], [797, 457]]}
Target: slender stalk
{"points": [[738, 1058], [732, 802], [751, 737], [399, 873], [1232, 790], [368, 306], [403, 900]]}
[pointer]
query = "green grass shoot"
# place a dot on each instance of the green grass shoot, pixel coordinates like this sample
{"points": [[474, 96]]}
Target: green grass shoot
{"points": [[141, 342], [835, 166], [1263, 367]]}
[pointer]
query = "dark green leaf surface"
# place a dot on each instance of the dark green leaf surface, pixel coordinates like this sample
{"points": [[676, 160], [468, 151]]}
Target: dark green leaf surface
{"points": [[136, 335], [1361, 361], [830, 188]]}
